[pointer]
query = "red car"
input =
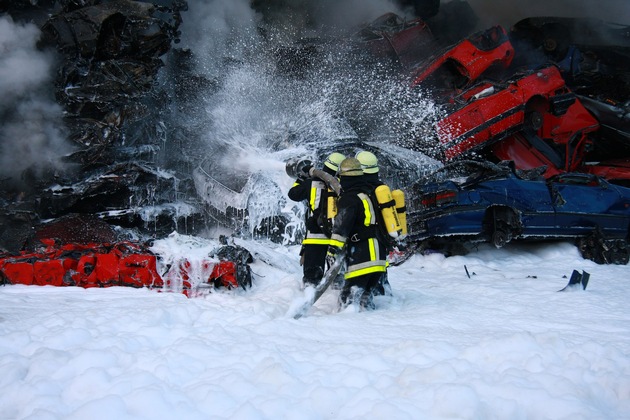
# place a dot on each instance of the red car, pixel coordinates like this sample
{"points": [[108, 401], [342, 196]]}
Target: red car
{"points": [[539, 101], [467, 61], [616, 171]]}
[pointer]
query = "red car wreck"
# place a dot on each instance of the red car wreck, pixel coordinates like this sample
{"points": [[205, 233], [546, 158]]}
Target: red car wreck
{"points": [[540, 102], [468, 60], [124, 264]]}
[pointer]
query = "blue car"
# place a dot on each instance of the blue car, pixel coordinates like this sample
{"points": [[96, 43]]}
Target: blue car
{"points": [[481, 201]]}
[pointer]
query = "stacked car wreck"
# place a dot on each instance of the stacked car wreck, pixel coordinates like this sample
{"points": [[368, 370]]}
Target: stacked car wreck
{"points": [[531, 96], [530, 116], [84, 251]]}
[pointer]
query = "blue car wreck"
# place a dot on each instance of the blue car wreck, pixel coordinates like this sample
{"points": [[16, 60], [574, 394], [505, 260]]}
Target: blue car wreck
{"points": [[471, 201]]}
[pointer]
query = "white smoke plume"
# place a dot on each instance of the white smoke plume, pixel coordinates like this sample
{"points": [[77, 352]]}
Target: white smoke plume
{"points": [[31, 136], [215, 31]]}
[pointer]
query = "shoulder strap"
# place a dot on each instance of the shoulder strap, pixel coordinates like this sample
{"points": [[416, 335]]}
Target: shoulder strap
{"points": [[382, 233]]}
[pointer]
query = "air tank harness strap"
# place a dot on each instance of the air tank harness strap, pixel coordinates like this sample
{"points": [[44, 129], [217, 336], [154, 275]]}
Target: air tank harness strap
{"points": [[390, 203]]}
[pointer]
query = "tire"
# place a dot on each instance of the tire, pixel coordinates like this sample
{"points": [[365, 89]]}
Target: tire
{"points": [[500, 237], [555, 41], [501, 226], [534, 120], [617, 253]]}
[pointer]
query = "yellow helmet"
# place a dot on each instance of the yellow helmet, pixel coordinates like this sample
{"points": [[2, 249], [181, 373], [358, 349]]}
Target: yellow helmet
{"points": [[333, 161], [369, 162], [350, 167]]}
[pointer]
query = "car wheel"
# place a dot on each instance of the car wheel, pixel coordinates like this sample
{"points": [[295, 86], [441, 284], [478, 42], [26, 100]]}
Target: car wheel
{"points": [[501, 225], [616, 253], [500, 237], [555, 42], [604, 251], [534, 120]]}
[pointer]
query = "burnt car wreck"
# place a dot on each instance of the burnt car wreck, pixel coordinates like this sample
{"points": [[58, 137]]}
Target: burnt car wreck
{"points": [[550, 95]]}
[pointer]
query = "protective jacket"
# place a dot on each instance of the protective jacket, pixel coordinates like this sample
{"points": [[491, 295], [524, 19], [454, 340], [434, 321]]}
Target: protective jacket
{"points": [[355, 226], [382, 287], [316, 193], [318, 231]]}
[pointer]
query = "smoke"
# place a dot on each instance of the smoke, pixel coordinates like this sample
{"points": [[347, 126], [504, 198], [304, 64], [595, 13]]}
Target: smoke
{"points": [[352, 13], [31, 137], [218, 31], [507, 13]]}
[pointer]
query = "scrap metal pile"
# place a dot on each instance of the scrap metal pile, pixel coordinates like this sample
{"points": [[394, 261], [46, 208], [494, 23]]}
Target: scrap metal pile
{"points": [[552, 98], [109, 56]]}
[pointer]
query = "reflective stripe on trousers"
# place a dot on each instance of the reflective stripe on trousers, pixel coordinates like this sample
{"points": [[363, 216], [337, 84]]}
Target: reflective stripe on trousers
{"points": [[377, 263]]}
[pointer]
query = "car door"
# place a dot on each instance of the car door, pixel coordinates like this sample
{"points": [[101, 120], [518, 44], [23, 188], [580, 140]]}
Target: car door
{"points": [[533, 202], [583, 202]]}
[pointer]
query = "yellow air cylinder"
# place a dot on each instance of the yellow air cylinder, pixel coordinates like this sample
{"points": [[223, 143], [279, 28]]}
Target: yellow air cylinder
{"points": [[401, 210], [331, 208], [387, 206]]}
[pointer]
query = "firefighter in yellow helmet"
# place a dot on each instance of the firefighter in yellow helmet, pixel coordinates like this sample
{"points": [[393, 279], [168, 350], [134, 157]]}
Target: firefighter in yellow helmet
{"points": [[318, 227], [355, 230], [369, 164]]}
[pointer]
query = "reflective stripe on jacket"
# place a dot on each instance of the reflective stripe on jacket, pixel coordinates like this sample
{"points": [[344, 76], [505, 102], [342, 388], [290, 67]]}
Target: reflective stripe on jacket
{"points": [[315, 197], [316, 239]]}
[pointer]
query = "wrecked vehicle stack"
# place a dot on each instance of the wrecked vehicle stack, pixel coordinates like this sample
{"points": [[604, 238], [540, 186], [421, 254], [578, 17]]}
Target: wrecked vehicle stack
{"points": [[534, 119], [127, 263], [85, 251]]}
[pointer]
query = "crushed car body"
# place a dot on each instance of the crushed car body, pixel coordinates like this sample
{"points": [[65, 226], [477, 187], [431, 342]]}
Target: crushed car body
{"points": [[467, 61], [85, 251], [389, 36], [540, 101], [125, 263], [481, 201]]}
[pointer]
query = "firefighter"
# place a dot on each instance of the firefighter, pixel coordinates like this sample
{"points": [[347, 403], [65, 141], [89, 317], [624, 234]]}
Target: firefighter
{"points": [[369, 164], [318, 227], [355, 230]]}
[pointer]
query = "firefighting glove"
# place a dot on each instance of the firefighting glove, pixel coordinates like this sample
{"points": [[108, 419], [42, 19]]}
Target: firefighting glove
{"points": [[331, 255]]}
